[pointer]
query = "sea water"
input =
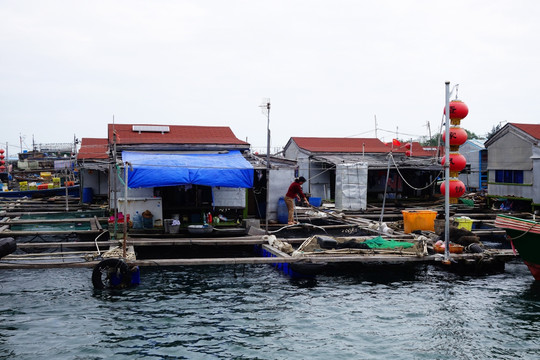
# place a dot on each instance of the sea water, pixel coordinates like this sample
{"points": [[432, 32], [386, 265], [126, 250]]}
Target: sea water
{"points": [[257, 312]]}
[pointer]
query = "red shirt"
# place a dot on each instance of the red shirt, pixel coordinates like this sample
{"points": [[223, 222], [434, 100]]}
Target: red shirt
{"points": [[295, 189]]}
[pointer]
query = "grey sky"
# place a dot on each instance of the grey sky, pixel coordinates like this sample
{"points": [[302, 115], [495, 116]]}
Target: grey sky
{"points": [[329, 67]]}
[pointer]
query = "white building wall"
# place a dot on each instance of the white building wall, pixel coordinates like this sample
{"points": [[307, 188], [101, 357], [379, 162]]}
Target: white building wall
{"points": [[472, 154], [512, 152], [95, 179], [280, 180]]}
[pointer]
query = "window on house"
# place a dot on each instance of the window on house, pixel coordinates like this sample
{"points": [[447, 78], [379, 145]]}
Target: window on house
{"points": [[509, 176]]}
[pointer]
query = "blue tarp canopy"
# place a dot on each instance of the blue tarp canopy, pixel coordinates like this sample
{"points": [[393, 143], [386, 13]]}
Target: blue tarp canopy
{"points": [[150, 169]]}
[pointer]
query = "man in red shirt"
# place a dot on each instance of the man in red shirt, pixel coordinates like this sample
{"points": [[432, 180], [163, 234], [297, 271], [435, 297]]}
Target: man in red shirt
{"points": [[295, 191]]}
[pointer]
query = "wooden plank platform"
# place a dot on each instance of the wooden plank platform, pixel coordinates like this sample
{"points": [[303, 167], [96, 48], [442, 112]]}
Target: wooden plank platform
{"points": [[8, 233], [370, 259]]}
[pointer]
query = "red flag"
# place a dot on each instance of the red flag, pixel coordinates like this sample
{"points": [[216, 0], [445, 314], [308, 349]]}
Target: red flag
{"points": [[396, 142]]}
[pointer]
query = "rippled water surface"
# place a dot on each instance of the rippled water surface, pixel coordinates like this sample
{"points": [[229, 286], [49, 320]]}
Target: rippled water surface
{"points": [[257, 312]]}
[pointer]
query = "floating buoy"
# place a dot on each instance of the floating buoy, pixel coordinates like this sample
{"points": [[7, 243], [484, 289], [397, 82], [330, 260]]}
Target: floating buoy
{"points": [[114, 274]]}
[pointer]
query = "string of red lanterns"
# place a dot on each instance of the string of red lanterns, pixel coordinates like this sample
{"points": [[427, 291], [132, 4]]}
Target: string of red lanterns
{"points": [[458, 136], [2, 161]]}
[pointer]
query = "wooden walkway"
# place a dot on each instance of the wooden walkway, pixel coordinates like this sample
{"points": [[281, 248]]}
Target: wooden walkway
{"points": [[85, 253], [65, 259]]}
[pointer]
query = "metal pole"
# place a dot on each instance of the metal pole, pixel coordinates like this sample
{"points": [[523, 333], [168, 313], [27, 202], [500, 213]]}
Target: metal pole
{"points": [[384, 196], [267, 163], [7, 163], [114, 181], [126, 167], [447, 176], [67, 192]]}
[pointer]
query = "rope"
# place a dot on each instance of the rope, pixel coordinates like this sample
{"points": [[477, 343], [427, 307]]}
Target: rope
{"points": [[525, 233], [403, 178], [95, 241], [119, 174]]}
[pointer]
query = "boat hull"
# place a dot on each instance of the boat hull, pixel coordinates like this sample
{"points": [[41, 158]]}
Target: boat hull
{"points": [[72, 190], [525, 237]]}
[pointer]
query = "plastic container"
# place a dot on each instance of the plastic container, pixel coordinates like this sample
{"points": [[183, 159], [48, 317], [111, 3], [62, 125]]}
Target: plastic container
{"points": [[174, 227], [282, 211], [23, 185], [418, 220], [454, 248], [147, 220], [315, 201], [137, 221], [87, 195], [120, 218], [43, 187], [464, 223]]}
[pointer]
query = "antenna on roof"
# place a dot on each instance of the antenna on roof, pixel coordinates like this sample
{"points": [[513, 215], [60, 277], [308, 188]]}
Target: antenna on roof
{"points": [[375, 126]]}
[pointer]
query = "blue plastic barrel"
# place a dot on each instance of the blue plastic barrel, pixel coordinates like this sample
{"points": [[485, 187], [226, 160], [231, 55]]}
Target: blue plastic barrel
{"points": [[87, 195], [315, 201], [282, 211]]}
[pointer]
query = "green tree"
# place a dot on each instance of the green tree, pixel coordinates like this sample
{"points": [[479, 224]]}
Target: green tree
{"points": [[471, 135], [494, 129]]}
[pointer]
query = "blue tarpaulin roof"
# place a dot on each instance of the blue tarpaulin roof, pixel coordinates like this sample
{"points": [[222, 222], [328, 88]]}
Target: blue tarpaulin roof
{"points": [[152, 169]]}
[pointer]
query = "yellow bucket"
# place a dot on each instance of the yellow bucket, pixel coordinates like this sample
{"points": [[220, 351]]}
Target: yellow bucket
{"points": [[418, 220], [463, 223]]}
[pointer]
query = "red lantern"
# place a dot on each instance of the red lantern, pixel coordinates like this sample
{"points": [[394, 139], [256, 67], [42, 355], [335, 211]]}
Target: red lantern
{"points": [[1, 151], [457, 188], [457, 161], [2, 168], [458, 110], [2, 162], [408, 153], [408, 146], [458, 136], [2, 156]]}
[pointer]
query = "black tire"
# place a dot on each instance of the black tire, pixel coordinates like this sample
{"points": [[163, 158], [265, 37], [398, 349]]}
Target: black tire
{"points": [[7, 246], [112, 274]]}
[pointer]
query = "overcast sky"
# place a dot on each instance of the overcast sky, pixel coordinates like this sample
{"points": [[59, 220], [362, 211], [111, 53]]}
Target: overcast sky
{"points": [[330, 68]]}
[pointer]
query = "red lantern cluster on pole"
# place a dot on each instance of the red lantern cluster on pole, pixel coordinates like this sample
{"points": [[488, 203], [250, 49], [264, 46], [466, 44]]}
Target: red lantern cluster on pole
{"points": [[2, 161], [458, 136], [408, 146]]}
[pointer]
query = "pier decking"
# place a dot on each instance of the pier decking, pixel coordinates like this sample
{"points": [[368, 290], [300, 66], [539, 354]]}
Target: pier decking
{"points": [[174, 250]]}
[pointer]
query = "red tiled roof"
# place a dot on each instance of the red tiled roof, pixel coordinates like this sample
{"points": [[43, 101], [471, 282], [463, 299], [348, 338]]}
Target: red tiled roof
{"points": [[92, 148], [531, 129], [354, 145], [178, 134], [418, 149], [341, 145]]}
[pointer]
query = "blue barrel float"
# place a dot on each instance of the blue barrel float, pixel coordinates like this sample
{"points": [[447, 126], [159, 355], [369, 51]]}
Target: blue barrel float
{"points": [[282, 211], [87, 195]]}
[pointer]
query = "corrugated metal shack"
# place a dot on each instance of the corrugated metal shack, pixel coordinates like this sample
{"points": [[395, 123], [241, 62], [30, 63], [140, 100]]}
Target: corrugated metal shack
{"points": [[353, 170]]}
